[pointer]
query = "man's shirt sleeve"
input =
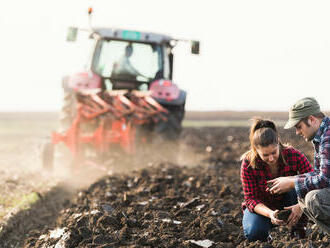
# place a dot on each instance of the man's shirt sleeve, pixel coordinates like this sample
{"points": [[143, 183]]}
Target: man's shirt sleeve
{"points": [[320, 177]]}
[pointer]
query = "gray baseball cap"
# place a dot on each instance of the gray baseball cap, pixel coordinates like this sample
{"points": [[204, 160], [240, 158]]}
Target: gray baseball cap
{"points": [[301, 109]]}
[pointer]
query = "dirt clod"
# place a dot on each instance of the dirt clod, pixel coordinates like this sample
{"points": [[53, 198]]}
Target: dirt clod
{"points": [[283, 214]]}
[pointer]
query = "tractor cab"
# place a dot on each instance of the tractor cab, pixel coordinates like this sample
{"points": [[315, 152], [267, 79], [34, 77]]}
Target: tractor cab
{"points": [[131, 64], [126, 59]]}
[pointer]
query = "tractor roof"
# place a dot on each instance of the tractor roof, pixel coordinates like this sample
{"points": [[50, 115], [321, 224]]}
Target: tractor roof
{"points": [[132, 35]]}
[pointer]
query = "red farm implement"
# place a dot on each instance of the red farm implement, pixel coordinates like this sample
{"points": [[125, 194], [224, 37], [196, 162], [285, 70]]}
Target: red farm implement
{"points": [[107, 119]]}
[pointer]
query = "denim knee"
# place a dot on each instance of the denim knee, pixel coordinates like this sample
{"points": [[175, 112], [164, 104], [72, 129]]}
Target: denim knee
{"points": [[253, 233], [255, 226]]}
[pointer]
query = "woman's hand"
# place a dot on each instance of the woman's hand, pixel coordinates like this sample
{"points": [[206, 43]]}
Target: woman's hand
{"points": [[274, 220], [295, 215], [281, 185]]}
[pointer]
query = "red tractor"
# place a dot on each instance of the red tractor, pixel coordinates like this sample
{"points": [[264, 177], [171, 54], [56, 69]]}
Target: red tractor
{"points": [[123, 97]]}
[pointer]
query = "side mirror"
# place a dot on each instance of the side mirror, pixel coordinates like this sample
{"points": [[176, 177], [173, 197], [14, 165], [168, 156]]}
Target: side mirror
{"points": [[195, 47], [72, 34]]}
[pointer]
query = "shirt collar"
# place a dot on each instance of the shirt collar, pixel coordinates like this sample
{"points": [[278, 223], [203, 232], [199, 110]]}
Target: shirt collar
{"points": [[324, 125]]}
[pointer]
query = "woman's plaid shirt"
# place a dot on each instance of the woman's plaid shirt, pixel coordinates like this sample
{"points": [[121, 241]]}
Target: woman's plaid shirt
{"points": [[254, 181]]}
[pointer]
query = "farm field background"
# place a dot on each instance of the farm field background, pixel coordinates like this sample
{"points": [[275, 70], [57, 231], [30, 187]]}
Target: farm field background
{"points": [[32, 199]]}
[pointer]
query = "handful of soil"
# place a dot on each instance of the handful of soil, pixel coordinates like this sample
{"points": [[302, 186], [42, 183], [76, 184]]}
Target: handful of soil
{"points": [[283, 214]]}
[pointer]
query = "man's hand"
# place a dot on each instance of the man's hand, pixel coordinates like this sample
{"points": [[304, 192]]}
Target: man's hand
{"points": [[281, 185], [295, 215]]}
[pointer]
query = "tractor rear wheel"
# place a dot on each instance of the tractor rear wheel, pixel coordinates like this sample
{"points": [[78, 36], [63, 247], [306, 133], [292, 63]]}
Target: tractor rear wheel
{"points": [[69, 105], [172, 127], [48, 156]]}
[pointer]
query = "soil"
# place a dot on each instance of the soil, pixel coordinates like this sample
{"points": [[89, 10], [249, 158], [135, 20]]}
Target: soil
{"points": [[181, 195], [283, 214]]}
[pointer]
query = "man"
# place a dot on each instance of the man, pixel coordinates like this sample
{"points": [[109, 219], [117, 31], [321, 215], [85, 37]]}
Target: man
{"points": [[123, 69], [313, 188]]}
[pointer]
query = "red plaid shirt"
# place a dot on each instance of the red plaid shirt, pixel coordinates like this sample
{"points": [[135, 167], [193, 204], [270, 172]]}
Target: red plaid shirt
{"points": [[254, 181]]}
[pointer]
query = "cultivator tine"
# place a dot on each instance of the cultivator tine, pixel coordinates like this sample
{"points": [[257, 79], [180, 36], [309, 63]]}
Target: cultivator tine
{"points": [[108, 106], [92, 110], [147, 108], [92, 105], [123, 105], [119, 105], [158, 107]]}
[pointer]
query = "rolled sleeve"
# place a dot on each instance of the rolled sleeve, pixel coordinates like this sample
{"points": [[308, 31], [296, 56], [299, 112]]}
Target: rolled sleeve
{"points": [[250, 204]]}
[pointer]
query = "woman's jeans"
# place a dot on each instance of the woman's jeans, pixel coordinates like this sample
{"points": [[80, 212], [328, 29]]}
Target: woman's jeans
{"points": [[256, 226]]}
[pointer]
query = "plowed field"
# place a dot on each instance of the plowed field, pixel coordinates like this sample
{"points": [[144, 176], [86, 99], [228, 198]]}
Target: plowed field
{"points": [[171, 195]]}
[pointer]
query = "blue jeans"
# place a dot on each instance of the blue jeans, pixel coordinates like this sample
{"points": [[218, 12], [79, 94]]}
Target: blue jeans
{"points": [[256, 226]]}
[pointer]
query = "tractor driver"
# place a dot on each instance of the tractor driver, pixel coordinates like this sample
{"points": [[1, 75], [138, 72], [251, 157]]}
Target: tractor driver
{"points": [[123, 68]]}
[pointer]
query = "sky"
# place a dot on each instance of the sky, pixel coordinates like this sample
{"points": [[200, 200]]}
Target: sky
{"points": [[255, 55]]}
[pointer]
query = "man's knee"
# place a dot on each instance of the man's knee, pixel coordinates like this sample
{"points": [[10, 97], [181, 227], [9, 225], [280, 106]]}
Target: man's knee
{"points": [[310, 197], [314, 203]]}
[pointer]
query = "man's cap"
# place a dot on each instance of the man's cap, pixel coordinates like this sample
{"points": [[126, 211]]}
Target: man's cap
{"points": [[301, 109]]}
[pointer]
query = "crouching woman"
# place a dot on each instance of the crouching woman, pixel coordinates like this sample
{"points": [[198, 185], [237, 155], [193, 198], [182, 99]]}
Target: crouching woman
{"points": [[267, 159]]}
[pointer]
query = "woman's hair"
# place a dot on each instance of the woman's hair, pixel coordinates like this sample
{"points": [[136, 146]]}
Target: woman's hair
{"points": [[262, 133]]}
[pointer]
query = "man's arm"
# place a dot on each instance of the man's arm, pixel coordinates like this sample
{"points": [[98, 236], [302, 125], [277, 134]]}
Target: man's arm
{"points": [[297, 160], [281, 185], [131, 69], [321, 177]]}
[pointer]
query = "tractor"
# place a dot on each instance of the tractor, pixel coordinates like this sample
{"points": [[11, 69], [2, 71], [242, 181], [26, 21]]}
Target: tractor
{"points": [[125, 96]]}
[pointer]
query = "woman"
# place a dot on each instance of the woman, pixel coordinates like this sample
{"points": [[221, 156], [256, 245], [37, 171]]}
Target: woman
{"points": [[267, 159]]}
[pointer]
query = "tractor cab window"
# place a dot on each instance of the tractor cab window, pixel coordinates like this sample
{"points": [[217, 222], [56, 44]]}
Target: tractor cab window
{"points": [[123, 60]]}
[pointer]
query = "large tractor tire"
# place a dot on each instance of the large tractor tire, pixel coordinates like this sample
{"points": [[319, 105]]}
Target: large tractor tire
{"points": [[171, 129], [47, 156], [69, 106], [62, 155]]}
